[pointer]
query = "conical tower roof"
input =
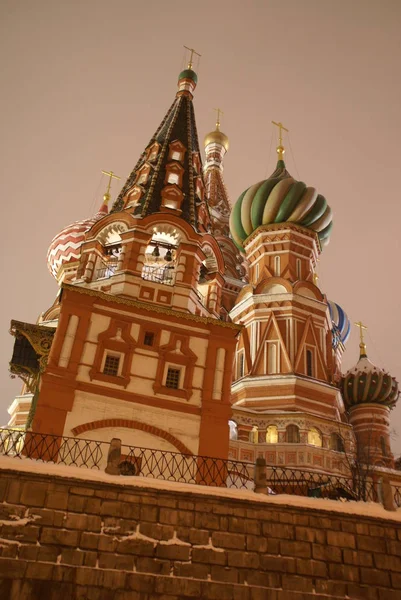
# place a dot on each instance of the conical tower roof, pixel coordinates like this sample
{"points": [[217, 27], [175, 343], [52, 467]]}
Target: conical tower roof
{"points": [[173, 149]]}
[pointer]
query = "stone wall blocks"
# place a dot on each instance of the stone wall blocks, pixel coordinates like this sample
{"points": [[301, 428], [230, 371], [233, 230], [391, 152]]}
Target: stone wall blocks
{"points": [[320, 522], [267, 580], [107, 543], [344, 572], [114, 579], [82, 491], [72, 557], [278, 564], [216, 591], [393, 547], [61, 537], [288, 518], [185, 518], [26, 552], [12, 511], [49, 553], [186, 588], [11, 551], [199, 537], [173, 552], [186, 505], [89, 540], [14, 491], [156, 531], [168, 516], [385, 594], [341, 539], [358, 557], [365, 542], [295, 549], [106, 494], [92, 506], [74, 504], [396, 580], [3, 489], [36, 570], [307, 534], [22, 533], [362, 592], [206, 521], [195, 571], [278, 530], [140, 583], [12, 569], [63, 573], [109, 560], [235, 541], [224, 574], [137, 547], [153, 565], [237, 525], [149, 513], [256, 543], [248, 560], [375, 577], [296, 583], [337, 589], [58, 500], [209, 556], [90, 558], [313, 568], [34, 493]]}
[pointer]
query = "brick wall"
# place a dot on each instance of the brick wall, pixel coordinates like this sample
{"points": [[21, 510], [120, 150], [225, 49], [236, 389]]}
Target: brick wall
{"points": [[89, 540]]}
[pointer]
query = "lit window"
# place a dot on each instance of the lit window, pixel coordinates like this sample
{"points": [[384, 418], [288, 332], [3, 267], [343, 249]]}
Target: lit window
{"points": [[142, 178], [254, 435], [272, 434], [277, 266], [176, 155], [173, 178], [292, 434], [111, 365], [149, 338], [315, 437], [173, 378], [233, 430]]}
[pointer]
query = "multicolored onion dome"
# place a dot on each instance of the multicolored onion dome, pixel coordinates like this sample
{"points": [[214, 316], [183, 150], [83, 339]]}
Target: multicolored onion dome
{"points": [[65, 246], [341, 324], [366, 383], [188, 74], [280, 199]]}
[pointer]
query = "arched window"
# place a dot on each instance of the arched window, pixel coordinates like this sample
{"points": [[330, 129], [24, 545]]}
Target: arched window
{"points": [[254, 435], [256, 272], [383, 446], [277, 266], [233, 430], [309, 363], [272, 434], [336, 443], [240, 364], [272, 358], [292, 434], [315, 437]]}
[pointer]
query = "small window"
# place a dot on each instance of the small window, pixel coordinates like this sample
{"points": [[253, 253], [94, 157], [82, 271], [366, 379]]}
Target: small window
{"points": [[233, 430], [315, 437], [240, 365], [272, 434], [173, 178], [254, 435], [277, 266], [298, 268], [309, 363], [292, 434], [149, 338], [256, 272], [173, 378], [176, 155], [383, 446], [111, 365], [142, 178], [336, 442]]}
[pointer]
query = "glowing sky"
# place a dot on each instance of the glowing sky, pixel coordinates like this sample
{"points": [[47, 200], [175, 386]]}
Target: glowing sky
{"points": [[86, 83]]}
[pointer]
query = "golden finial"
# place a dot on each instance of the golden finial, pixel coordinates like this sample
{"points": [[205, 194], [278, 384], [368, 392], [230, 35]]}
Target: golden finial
{"points": [[362, 345], [315, 276], [111, 175], [280, 148], [192, 51], [219, 112]]}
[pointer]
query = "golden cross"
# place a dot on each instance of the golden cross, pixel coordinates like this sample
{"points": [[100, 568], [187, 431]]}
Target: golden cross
{"points": [[361, 328], [192, 51], [280, 129], [112, 176], [219, 112]]}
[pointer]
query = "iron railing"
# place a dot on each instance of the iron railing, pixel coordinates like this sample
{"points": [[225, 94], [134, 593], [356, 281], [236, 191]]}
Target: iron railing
{"points": [[164, 275], [183, 468], [107, 270]]}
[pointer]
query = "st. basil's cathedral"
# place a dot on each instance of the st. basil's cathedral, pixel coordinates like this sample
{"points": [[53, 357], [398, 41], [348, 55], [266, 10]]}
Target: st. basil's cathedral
{"points": [[185, 324]]}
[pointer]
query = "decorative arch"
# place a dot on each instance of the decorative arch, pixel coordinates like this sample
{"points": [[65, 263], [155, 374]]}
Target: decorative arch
{"points": [[266, 283], [120, 217], [130, 424], [306, 288]]}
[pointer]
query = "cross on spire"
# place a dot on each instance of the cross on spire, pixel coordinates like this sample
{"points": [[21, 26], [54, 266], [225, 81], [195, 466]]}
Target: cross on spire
{"points": [[280, 147], [219, 112], [362, 344], [192, 51], [111, 176]]}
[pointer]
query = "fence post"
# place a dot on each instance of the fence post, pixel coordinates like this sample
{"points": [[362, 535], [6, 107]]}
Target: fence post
{"points": [[260, 476], [387, 494], [114, 457]]}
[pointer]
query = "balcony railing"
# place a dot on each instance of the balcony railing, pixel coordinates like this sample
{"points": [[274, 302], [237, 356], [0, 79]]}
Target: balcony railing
{"points": [[164, 274], [107, 270]]}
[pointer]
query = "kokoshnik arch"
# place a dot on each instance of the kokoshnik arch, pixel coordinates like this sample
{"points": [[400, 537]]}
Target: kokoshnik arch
{"points": [[182, 324]]}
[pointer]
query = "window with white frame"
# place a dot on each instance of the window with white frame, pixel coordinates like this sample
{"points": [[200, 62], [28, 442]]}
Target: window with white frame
{"points": [[277, 266], [272, 434]]}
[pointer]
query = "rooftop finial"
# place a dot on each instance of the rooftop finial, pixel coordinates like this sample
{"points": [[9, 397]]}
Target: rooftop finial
{"points": [[362, 345], [111, 176], [219, 112], [280, 148], [192, 51]]}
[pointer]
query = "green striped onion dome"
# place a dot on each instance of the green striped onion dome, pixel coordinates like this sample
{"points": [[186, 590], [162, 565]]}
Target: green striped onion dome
{"points": [[280, 199], [366, 383]]}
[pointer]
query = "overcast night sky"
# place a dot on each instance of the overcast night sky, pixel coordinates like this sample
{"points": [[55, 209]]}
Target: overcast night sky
{"points": [[86, 83]]}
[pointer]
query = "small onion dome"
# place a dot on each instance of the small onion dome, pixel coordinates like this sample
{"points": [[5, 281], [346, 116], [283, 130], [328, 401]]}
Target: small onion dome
{"points": [[366, 383], [280, 199], [188, 74], [217, 137], [66, 245], [341, 324]]}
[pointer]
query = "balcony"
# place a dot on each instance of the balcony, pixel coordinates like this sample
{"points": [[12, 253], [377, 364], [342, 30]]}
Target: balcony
{"points": [[159, 274], [107, 270]]}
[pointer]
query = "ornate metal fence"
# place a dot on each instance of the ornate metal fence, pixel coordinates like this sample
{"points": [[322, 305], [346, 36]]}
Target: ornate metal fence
{"points": [[181, 468]]}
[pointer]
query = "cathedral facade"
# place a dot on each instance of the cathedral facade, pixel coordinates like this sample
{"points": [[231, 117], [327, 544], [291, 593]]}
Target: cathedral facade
{"points": [[186, 324]]}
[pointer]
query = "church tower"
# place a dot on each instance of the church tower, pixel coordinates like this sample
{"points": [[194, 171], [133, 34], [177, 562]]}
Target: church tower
{"points": [[140, 351], [286, 404]]}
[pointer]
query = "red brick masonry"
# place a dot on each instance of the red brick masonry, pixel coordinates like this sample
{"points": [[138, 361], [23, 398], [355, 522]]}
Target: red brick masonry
{"points": [[74, 539]]}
